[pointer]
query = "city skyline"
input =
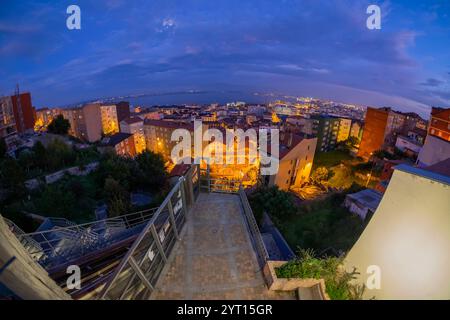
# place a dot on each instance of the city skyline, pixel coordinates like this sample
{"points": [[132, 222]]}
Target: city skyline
{"points": [[309, 48]]}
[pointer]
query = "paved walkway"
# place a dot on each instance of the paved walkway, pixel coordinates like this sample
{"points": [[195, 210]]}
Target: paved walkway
{"points": [[215, 258]]}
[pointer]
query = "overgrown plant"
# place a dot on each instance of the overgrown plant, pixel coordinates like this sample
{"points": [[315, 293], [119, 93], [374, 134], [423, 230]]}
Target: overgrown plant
{"points": [[339, 283]]}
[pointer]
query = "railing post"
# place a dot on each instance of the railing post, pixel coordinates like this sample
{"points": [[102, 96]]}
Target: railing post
{"points": [[208, 177], [158, 242], [172, 218], [183, 198], [190, 187]]}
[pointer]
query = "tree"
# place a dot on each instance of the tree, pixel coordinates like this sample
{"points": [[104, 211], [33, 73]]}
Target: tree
{"points": [[117, 168], [57, 202], [59, 125], [12, 177], [59, 155], [40, 154], [277, 203], [352, 141], [319, 176], [154, 175], [117, 198]]}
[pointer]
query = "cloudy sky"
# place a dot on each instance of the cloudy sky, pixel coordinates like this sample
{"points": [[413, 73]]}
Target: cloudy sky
{"points": [[318, 48]]}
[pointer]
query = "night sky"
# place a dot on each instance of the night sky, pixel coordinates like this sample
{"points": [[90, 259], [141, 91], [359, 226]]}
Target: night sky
{"points": [[312, 48]]}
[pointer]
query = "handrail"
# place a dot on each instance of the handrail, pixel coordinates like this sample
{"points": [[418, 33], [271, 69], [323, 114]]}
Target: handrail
{"points": [[83, 225], [259, 243], [149, 228]]}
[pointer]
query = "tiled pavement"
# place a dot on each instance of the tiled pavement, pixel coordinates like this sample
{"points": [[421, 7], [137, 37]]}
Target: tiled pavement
{"points": [[215, 258]]}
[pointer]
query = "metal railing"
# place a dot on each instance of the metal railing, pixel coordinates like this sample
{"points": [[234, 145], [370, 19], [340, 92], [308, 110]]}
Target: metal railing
{"points": [[224, 185], [66, 241], [261, 250], [138, 272]]}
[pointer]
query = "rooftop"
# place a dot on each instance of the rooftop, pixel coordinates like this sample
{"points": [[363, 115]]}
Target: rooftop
{"points": [[169, 124], [431, 172], [369, 198], [115, 139], [132, 120]]}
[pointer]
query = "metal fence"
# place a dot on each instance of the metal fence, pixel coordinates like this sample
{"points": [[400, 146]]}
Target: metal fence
{"points": [[220, 185], [139, 271]]}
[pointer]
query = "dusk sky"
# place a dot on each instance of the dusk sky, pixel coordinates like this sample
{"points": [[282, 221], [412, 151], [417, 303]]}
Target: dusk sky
{"points": [[312, 48]]}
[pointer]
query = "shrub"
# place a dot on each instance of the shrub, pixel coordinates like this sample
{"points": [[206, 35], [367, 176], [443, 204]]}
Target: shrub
{"points": [[338, 282], [277, 203]]}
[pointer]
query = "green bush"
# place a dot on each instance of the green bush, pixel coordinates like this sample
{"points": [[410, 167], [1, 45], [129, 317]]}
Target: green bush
{"points": [[338, 282], [277, 203]]}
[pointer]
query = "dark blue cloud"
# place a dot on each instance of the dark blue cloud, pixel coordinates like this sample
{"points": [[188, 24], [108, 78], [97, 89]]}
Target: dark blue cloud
{"points": [[319, 48]]}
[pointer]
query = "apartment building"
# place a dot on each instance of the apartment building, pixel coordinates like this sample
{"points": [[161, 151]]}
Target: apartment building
{"points": [[345, 125], [158, 135], [7, 121], [85, 122], [356, 130], [326, 129], [380, 130], [110, 122], [112, 115], [135, 126], [440, 123], [437, 143], [44, 117], [120, 143], [24, 113], [296, 156]]}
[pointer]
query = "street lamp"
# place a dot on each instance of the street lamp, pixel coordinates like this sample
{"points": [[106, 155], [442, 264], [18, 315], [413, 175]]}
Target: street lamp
{"points": [[369, 175]]}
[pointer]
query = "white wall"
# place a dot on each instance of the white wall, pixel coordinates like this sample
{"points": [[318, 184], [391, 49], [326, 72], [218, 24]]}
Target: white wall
{"points": [[408, 237], [433, 151]]}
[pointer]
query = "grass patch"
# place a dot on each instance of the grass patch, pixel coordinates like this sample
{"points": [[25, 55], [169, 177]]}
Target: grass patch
{"points": [[322, 225], [330, 159]]}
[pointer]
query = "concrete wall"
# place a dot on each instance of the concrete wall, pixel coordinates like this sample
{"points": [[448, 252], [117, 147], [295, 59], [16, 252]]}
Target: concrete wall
{"points": [[24, 276], [93, 121], [404, 143], [433, 151], [408, 238]]}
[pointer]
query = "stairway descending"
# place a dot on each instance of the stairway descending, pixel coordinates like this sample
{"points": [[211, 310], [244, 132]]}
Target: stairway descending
{"points": [[58, 240]]}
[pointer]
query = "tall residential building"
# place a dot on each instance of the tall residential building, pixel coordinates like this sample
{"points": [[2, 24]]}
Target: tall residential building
{"points": [[7, 121], [110, 122], [24, 113], [345, 125], [123, 110], [85, 122], [356, 130], [135, 126], [326, 129], [380, 130], [112, 115], [437, 142]]}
